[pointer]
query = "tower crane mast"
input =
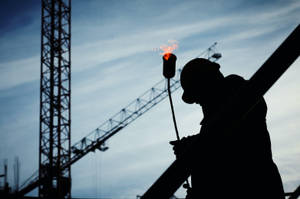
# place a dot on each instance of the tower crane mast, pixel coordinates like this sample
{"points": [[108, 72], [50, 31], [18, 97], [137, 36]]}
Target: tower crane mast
{"points": [[97, 138], [55, 100]]}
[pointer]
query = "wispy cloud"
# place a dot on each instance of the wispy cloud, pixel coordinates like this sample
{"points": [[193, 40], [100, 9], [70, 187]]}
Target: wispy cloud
{"points": [[19, 72], [95, 53]]}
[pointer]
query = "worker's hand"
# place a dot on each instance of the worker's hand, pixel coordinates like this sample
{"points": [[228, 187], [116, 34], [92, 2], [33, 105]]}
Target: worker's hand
{"points": [[180, 145]]}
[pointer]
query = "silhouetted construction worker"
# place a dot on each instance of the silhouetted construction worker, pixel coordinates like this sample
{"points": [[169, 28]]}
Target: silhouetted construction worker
{"points": [[240, 164]]}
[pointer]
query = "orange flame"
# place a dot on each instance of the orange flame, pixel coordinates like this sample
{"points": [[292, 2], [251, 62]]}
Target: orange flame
{"points": [[168, 49]]}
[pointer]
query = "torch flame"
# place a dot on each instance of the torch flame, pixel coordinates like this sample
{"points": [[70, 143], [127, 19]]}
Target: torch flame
{"points": [[168, 49]]}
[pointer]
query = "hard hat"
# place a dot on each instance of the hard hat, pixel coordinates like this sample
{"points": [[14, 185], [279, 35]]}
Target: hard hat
{"points": [[197, 73]]}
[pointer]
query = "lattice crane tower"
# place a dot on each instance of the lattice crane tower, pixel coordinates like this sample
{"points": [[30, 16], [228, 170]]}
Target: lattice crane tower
{"points": [[55, 100]]}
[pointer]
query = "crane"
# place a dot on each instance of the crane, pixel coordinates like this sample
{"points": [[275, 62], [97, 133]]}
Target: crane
{"points": [[97, 138]]}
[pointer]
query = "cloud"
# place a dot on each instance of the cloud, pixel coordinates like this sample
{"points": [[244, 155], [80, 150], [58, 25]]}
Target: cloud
{"points": [[285, 12], [10, 21], [123, 45], [19, 72]]}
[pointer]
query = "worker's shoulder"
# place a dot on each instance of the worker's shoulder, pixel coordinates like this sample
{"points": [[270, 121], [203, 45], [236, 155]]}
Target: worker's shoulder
{"points": [[235, 80], [234, 77]]}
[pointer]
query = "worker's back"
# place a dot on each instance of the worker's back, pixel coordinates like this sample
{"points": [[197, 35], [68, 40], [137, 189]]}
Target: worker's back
{"points": [[238, 165]]}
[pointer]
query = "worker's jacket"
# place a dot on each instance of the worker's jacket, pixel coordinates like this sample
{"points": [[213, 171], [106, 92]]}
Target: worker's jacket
{"points": [[239, 165]]}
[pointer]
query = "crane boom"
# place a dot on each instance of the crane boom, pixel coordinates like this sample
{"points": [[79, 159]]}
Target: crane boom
{"points": [[96, 139]]}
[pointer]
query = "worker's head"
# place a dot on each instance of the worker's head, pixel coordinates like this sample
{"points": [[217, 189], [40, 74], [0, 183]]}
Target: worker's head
{"points": [[200, 78]]}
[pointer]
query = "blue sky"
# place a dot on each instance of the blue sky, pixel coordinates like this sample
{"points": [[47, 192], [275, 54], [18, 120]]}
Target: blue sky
{"points": [[113, 62]]}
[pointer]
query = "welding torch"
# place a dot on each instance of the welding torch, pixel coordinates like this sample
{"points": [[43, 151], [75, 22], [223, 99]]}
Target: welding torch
{"points": [[169, 69]]}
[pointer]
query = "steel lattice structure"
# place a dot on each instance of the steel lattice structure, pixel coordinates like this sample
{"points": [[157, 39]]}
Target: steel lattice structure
{"points": [[55, 99]]}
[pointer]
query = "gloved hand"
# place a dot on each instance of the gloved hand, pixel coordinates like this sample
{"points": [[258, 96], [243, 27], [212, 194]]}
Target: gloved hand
{"points": [[180, 145]]}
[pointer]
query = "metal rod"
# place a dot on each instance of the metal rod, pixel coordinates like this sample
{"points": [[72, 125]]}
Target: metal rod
{"points": [[174, 121], [172, 109]]}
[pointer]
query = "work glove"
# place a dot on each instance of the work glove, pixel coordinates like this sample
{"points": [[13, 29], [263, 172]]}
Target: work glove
{"points": [[179, 146]]}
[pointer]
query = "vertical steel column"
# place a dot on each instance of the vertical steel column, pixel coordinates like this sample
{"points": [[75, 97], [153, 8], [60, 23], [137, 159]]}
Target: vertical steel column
{"points": [[55, 100]]}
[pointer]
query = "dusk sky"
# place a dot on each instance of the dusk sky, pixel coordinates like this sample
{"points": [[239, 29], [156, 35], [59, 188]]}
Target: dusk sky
{"points": [[114, 61]]}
